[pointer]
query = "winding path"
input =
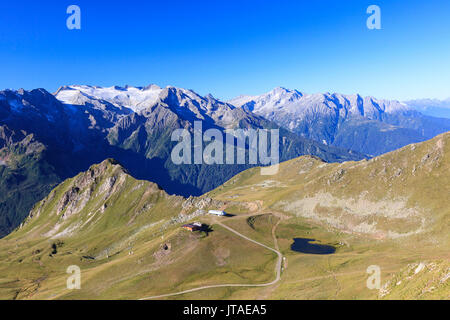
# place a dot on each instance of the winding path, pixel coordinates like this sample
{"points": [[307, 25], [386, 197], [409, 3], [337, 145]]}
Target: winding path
{"points": [[277, 267]]}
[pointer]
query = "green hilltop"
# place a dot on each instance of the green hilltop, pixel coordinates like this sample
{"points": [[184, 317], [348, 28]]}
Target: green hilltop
{"points": [[399, 194]]}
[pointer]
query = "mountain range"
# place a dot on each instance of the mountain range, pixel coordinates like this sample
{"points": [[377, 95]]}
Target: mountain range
{"points": [[362, 124], [86, 179], [46, 138]]}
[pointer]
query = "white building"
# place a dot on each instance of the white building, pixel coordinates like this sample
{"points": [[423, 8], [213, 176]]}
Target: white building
{"points": [[217, 213]]}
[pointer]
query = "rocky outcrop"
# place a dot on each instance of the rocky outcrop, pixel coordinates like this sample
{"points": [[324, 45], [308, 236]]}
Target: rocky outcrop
{"points": [[201, 203]]}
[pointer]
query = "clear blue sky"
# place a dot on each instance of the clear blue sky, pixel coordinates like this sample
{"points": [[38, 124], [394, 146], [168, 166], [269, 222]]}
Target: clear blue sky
{"points": [[230, 47]]}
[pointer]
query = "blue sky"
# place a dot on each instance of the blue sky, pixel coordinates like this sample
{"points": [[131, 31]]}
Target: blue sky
{"points": [[229, 48]]}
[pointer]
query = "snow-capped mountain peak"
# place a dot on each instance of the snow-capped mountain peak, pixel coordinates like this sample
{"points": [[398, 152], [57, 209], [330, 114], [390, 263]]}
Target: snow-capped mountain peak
{"points": [[268, 102], [297, 103], [134, 98], [185, 103], [365, 124]]}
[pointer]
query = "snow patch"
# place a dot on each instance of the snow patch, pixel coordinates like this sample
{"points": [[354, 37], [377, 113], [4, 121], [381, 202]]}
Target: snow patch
{"points": [[134, 98], [294, 104], [16, 106]]}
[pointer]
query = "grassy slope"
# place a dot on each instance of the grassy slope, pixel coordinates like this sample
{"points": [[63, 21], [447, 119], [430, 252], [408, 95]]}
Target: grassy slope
{"points": [[404, 193], [387, 197], [392, 211], [125, 238]]}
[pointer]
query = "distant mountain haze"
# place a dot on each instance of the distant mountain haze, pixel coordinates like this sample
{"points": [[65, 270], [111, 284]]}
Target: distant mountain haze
{"points": [[431, 107]]}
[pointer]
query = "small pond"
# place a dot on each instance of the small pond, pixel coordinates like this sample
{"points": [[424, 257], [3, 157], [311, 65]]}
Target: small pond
{"points": [[305, 246]]}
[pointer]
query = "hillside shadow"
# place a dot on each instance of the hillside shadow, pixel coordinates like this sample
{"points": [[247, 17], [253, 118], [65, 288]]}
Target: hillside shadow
{"points": [[206, 229], [229, 215]]}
